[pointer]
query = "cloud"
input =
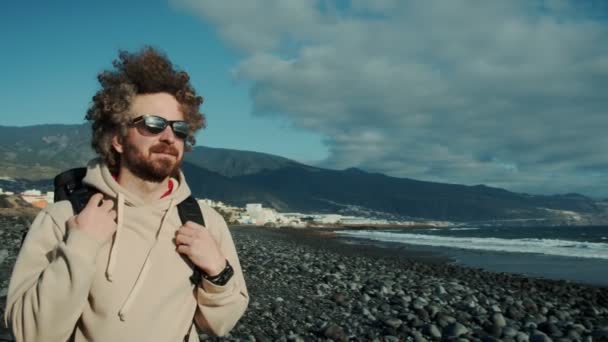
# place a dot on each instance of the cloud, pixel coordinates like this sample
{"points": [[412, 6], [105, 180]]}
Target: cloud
{"points": [[508, 94]]}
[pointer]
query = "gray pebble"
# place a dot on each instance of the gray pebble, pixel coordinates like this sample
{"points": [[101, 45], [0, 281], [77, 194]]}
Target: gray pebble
{"points": [[455, 330], [3, 255], [393, 322], [335, 333], [540, 337], [499, 320], [432, 331], [509, 331], [522, 337]]}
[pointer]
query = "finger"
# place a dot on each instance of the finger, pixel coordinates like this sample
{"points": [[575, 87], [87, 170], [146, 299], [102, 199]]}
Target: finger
{"points": [[107, 204], [183, 249], [95, 200], [181, 239], [113, 214], [72, 222], [193, 225], [186, 231]]}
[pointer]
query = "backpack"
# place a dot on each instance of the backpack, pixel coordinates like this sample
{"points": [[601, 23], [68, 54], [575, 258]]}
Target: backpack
{"points": [[69, 186]]}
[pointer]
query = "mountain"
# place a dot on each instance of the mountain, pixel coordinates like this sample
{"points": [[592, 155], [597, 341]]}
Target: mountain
{"points": [[42, 151], [352, 191], [233, 163], [37, 153]]}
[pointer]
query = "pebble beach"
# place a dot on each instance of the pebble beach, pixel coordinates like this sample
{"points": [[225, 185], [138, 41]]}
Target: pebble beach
{"points": [[308, 285]]}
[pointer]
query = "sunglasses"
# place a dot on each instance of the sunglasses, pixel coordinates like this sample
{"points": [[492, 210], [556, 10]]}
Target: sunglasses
{"points": [[156, 124]]}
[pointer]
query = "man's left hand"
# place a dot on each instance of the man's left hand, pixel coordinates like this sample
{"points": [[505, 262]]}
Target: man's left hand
{"points": [[195, 241]]}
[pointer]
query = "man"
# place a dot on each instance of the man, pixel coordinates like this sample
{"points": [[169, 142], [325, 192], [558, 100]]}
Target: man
{"points": [[120, 269]]}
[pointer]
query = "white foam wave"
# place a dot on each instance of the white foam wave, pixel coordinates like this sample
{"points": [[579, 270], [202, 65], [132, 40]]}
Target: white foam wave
{"points": [[543, 246]]}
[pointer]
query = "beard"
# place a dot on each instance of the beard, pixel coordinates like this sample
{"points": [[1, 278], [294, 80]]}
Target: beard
{"points": [[151, 169]]}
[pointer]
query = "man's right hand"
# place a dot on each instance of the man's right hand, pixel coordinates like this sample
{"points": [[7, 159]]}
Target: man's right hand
{"points": [[96, 219]]}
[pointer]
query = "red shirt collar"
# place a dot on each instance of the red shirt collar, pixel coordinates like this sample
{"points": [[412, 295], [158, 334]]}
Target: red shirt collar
{"points": [[167, 193], [169, 189]]}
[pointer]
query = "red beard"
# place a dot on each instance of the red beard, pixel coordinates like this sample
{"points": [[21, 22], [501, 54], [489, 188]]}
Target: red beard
{"points": [[148, 167]]}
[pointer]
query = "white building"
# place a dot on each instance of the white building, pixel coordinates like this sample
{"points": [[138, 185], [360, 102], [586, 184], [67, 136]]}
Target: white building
{"points": [[328, 219], [245, 219], [36, 197], [253, 208], [32, 192], [260, 215]]}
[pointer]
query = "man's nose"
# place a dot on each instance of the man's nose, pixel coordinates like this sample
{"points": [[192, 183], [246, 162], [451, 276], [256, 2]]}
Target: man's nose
{"points": [[168, 135]]}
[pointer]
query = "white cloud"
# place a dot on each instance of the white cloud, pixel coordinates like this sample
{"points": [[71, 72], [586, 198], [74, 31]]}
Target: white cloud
{"points": [[509, 93]]}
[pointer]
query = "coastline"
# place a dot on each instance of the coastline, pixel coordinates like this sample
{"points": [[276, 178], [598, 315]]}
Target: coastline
{"points": [[529, 263], [309, 285]]}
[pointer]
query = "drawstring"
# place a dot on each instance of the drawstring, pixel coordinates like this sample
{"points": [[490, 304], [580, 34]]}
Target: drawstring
{"points": [[114, 249], [122, 313]]}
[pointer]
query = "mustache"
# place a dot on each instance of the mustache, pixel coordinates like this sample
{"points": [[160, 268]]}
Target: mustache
{"points": [[163, 148]]}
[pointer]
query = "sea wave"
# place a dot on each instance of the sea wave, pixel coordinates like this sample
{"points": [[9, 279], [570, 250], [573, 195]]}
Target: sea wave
{"points": [[543, 246], [467, 228]]}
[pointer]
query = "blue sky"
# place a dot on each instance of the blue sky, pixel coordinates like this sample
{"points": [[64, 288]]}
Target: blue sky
{"points": [[504, 93], [54, 50]]}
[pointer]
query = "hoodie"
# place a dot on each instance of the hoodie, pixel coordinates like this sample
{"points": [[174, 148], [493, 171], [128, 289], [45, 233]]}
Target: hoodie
{"points": [[67, 286]]}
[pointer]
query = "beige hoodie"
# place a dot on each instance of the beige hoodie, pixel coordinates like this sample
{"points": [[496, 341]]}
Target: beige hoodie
{"points": [[67, 286]]}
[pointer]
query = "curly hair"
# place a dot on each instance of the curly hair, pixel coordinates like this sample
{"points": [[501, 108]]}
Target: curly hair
{"points": [[146, 71]]}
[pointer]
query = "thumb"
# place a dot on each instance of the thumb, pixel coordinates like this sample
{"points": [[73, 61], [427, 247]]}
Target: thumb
{"points": [[72, 222], [193, 225], [95, 200]]}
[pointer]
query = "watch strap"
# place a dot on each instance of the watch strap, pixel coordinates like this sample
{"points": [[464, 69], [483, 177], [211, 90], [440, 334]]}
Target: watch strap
{"points": [[223, 277]]}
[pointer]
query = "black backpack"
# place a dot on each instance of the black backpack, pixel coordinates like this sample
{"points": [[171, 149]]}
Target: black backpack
{"points": [[69, 186]]}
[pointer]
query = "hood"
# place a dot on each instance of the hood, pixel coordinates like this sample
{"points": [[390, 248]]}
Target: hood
{"points": [[99, 176]]}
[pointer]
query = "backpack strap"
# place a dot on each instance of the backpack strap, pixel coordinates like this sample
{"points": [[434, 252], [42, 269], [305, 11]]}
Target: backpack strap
{"points": [[69, 186], [189, 210]]}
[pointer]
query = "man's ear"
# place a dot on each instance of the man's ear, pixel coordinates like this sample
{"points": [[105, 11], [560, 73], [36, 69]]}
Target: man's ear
{"points": [[117, 143]]}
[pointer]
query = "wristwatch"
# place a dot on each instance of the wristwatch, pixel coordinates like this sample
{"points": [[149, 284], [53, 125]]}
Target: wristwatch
{"points": [[223, 277]]}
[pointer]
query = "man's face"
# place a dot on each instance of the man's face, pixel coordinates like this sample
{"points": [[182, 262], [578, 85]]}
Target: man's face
{"points": [[153, 157]]}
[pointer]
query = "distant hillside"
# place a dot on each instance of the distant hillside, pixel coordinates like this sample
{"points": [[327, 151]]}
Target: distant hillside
{"points": [[354, 190], [13, 205], [40, 152], [231, 163], [240, 177], [13, 201]]}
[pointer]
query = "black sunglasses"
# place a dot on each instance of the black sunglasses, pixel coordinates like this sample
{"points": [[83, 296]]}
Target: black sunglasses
{"points": [[156, 124]]}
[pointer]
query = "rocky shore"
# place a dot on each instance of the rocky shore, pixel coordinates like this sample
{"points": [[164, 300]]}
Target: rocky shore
{"points": [[12, 226], [307, 285]]}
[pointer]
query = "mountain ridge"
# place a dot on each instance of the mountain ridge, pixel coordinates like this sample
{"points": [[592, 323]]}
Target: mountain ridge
{"points": [[240, 177]]}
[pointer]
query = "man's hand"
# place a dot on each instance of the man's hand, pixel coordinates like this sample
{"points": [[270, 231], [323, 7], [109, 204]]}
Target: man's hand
{"points": [[96, 219], [195, 242]]}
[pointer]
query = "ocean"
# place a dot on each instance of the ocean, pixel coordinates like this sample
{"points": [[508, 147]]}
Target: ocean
{"points": [[576, 254]]}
